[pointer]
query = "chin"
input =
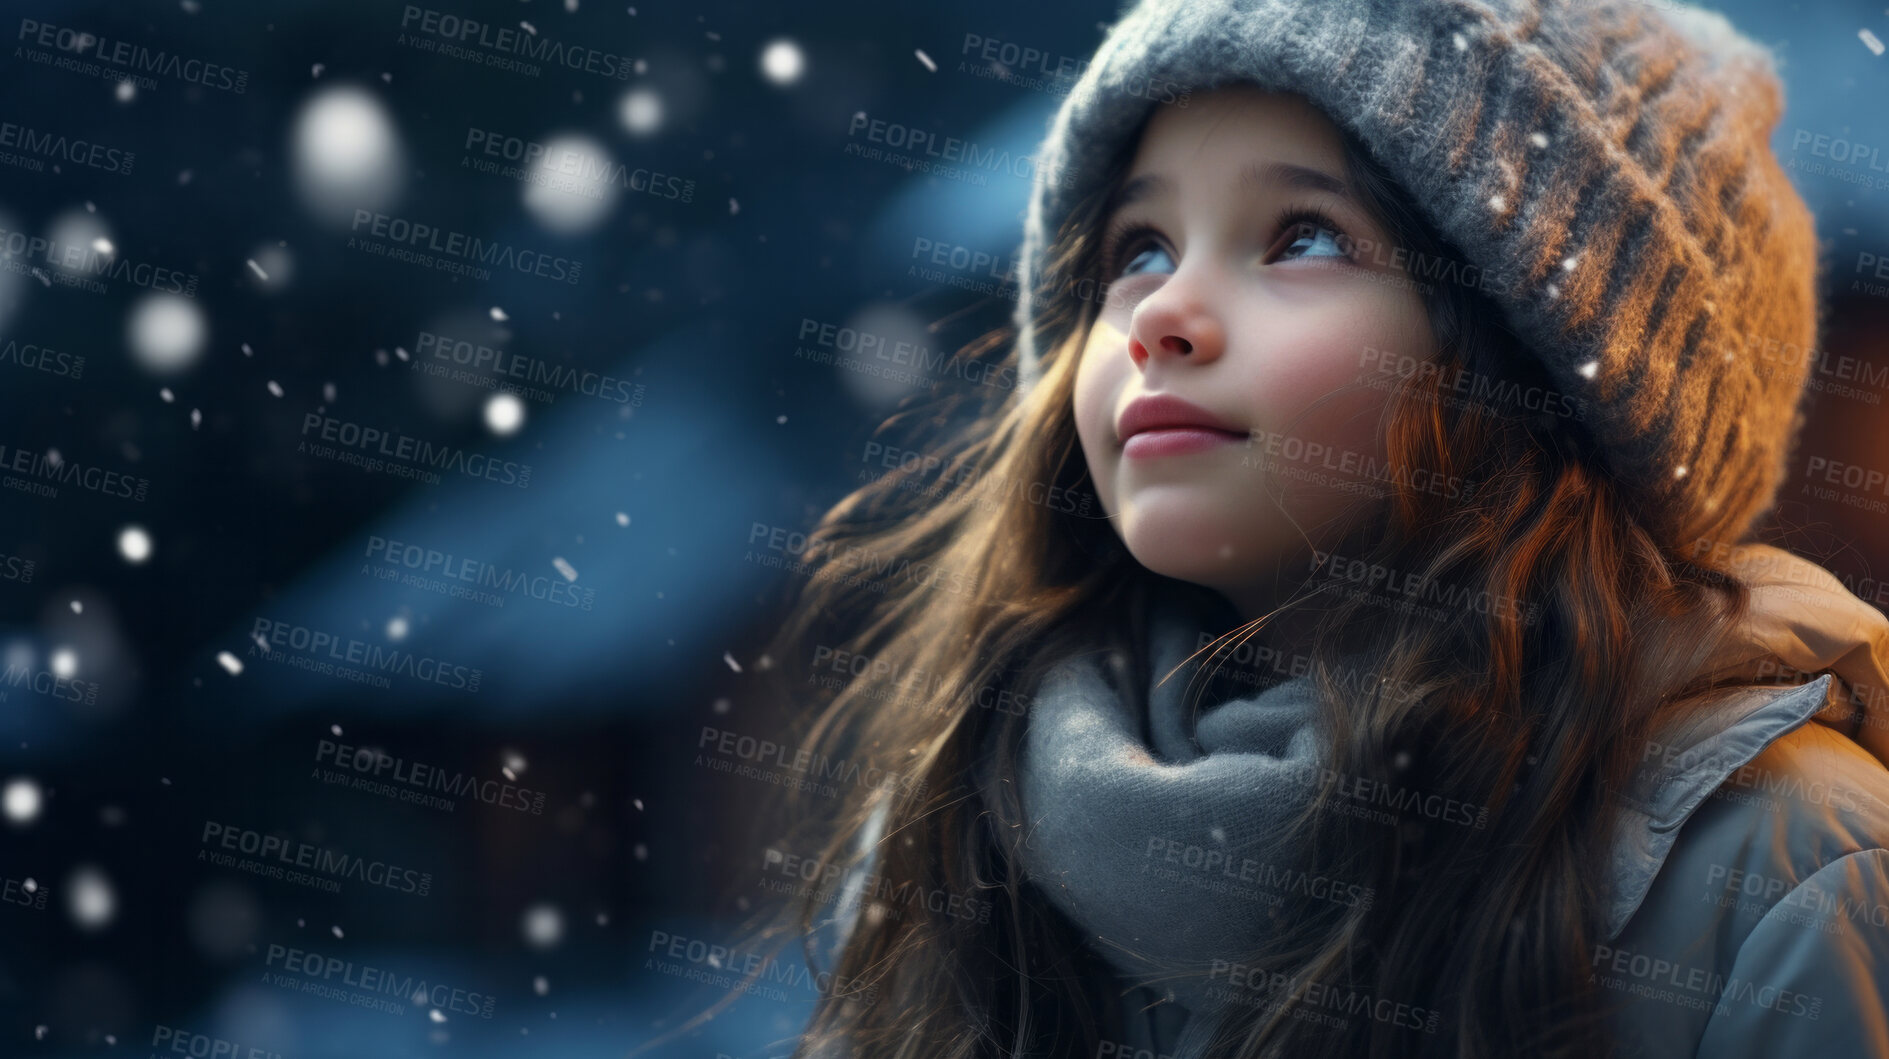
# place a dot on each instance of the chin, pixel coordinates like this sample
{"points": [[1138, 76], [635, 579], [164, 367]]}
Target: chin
{"points": [[1201, 547]]}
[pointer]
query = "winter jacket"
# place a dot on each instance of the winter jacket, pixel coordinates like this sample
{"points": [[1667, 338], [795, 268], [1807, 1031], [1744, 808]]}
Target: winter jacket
{"points": [[1749, 883], [1750, 897]]}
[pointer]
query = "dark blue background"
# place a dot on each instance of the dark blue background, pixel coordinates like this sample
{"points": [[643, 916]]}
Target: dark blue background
{"points": [[697, 304]]}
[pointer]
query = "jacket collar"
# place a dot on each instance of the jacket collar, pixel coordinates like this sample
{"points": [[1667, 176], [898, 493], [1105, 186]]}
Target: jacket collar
{"points": [[1682, 768]]}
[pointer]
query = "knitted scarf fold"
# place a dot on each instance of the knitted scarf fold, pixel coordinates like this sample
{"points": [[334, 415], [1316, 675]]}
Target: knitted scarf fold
{"points": [[1157, 821]]}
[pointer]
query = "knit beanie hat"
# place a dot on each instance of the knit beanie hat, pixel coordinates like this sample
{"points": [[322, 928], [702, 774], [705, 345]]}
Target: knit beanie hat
{"points": [[1608, 159]]}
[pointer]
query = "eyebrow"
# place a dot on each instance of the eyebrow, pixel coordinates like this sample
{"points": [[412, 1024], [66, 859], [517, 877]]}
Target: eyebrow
{"points": [[1253, 176]]}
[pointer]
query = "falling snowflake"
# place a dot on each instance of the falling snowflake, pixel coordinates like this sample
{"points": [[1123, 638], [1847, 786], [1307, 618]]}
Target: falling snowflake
{"points": [[543, 926], [22, 800]]}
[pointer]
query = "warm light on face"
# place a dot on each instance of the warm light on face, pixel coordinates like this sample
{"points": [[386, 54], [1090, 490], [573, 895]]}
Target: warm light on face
{"points": [[1247, 281]]}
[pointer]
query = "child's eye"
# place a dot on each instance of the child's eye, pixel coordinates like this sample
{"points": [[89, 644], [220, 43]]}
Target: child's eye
{"points": [[1312, 234], [1129, 247]]}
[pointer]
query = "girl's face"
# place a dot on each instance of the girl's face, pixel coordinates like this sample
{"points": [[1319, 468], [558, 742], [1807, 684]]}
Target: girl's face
{"points": [[1246, 281]]}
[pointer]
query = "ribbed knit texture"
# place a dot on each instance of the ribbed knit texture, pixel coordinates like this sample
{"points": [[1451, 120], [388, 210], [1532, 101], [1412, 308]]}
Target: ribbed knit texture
{"points": [[1608, 161]]}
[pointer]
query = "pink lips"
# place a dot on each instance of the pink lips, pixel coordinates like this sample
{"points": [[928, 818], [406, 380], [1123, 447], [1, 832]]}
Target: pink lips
{"points": [[1162, 424], [1174, 441]]}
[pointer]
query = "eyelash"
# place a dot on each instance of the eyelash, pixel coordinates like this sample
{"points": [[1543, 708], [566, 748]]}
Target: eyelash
{"points": [[1126, 229]]}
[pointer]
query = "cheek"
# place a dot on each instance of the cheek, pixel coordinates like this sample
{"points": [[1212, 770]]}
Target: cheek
{"points": [[1100, 376], [1313, 377]]}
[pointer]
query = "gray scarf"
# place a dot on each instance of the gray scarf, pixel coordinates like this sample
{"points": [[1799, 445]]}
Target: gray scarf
{"points": [[1155, 820]]}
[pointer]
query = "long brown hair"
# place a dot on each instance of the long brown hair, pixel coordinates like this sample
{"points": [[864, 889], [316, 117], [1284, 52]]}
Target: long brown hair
{"points": [[1537, 715]]}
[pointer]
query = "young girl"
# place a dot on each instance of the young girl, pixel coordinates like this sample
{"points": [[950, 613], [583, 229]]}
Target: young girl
{"points": [[1345, 642]]}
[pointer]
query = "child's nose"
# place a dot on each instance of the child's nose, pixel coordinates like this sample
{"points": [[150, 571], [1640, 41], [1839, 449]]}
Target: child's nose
{"points": [[1174, 324]]}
